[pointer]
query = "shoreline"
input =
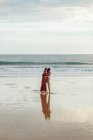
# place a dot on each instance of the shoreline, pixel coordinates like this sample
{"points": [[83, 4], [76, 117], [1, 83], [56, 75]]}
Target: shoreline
{"points": [[53, 75]]}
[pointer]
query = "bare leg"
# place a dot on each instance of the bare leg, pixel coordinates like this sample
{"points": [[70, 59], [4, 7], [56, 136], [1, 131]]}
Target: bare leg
{"points": [[49, 86]]}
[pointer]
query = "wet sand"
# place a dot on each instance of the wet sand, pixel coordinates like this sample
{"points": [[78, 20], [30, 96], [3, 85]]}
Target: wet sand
{"points": [[70, 109]]}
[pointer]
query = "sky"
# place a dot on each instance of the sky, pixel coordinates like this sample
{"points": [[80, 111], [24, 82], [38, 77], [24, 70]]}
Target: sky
{"points": [[46, 26]]}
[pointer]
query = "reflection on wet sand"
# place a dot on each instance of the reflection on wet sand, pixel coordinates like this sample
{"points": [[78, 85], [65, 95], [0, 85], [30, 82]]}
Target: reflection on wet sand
{"points": [[45, 102]]}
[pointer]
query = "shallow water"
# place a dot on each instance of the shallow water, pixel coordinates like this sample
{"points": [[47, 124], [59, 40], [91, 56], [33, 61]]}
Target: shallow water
{"points": [[71, 109]]}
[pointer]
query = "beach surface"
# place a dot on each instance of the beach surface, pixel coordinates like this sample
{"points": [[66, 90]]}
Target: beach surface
{"points": [[71, 108]]}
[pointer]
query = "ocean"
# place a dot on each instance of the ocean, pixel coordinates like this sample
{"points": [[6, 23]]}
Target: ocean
{"points": [[33, 65]]}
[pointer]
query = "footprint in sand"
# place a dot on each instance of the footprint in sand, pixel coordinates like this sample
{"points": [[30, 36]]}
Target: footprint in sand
{"points": [[13, 87], [35, 90], [10, 84], [27, 87]]}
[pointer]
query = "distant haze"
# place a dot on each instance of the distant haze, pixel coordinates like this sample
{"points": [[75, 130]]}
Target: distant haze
{"points": [[46, 27]]}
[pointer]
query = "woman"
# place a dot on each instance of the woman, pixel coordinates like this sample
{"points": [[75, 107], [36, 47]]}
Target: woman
{"points": [[44, 80]]}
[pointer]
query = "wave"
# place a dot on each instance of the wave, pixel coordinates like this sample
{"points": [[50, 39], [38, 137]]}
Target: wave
{"points": [[41, 63]]}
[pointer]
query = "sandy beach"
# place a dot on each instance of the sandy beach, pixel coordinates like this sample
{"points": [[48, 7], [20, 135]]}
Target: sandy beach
{"points": [[71, 109]]}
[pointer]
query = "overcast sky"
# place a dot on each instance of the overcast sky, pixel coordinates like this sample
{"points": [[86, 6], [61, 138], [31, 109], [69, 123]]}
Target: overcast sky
{"points": [[46, 26]]}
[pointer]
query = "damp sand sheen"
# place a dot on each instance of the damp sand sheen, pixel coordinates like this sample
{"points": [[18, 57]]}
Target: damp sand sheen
{"points": [[71, 106]]}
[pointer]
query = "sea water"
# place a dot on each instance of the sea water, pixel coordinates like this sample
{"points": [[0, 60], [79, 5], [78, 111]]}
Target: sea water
{"points": [[33, 65]]}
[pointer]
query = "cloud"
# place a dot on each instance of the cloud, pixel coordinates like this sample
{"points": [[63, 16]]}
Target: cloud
{"points": [[46, 24], [45, 10], [47, 2], [46, 13]]}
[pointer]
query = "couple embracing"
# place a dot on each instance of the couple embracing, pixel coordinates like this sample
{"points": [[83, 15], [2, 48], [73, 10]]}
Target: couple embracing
{"points": [[45, 83]]}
